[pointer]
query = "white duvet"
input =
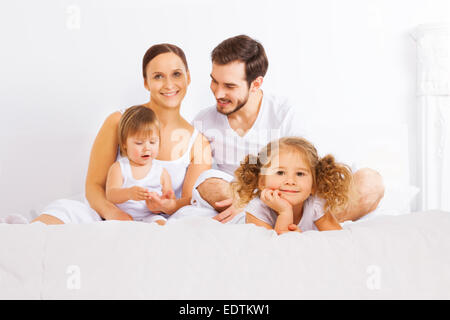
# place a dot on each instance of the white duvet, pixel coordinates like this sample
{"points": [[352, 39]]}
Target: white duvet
{"points": [[391, 257]]}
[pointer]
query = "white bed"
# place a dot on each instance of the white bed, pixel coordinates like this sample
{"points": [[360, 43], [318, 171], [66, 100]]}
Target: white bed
{"points": [[390, 254], [390, 257]]}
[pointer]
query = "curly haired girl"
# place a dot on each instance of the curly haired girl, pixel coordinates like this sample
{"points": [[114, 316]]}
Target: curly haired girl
{"points": [[287, 187]]}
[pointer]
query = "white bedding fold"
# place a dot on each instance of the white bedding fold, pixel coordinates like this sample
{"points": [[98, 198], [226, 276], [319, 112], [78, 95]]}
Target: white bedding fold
{"points": [[389, 257]]}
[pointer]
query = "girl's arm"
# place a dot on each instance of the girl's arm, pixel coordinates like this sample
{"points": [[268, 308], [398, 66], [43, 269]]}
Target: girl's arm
{"points": [[284, 220], [327, 222], [273, 199], [103, 155], [249, 218]]}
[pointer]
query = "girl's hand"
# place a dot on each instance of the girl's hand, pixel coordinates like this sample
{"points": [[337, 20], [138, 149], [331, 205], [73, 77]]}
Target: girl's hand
{"points": [[291, 228], [272, 198], [138, 193]]}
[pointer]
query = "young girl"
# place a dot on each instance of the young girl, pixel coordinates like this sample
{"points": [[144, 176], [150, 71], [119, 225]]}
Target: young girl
{"points": [[135, 177], [289, 188]]}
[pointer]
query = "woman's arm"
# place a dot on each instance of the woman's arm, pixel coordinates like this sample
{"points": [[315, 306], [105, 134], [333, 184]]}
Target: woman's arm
{"points": [[201, 160], [166, 184], [327, 222], [103, 155]]}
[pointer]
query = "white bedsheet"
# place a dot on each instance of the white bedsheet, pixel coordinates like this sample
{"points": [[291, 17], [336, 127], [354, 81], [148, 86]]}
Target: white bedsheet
{"points": [[392, 257]]}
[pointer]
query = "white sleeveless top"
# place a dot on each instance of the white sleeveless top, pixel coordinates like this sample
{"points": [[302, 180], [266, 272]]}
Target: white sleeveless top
{"points": [[176, 168], [152, 182]]}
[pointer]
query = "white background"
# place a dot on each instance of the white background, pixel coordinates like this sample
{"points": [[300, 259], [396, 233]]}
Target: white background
{"points": [[66, 65]]}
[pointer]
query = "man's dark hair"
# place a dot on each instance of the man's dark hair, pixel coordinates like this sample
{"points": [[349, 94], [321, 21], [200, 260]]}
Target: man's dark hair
{"points": [[244, 49]]}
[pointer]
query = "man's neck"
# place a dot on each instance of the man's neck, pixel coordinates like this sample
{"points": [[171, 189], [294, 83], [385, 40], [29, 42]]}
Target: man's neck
{"points": [[242, 120]]}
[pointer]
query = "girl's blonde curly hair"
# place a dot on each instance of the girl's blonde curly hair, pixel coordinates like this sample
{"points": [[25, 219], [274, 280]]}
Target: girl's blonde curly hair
{"points": [[331, 180]]}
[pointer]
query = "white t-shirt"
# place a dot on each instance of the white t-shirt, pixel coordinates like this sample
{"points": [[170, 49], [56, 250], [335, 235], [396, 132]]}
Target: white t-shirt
{"points": [[276, 118], [313, 210]]}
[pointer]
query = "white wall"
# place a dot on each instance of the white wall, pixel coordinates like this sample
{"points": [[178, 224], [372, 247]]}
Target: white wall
{"points": [[65, 65]]}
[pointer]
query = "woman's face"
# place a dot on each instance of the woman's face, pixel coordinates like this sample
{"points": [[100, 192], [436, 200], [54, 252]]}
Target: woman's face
{"points": [[167, 80]]}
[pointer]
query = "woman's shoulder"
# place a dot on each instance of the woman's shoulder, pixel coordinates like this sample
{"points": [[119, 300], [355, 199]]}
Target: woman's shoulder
{"points": [[113, 119]]}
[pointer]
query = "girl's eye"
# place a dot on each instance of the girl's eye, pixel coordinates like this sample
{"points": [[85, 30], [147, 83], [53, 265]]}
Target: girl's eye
{"points": [[280, 173], [300, 174], [138, 143]]}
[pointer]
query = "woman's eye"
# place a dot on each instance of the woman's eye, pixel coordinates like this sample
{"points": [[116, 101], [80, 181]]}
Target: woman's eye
{"points": [[177, 74], [158, 76]]}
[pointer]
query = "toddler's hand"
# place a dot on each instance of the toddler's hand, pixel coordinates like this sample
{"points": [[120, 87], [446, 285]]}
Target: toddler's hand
{"points": [[169, 195], [138, 193], [272, 198]]}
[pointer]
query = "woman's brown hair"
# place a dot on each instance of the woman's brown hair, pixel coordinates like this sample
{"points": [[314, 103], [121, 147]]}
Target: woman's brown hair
{"points": [[158, 49]]}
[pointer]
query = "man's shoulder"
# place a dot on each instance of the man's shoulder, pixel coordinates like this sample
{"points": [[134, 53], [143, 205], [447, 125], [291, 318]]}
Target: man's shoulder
{"points": [[277, 106], [206, 114]]}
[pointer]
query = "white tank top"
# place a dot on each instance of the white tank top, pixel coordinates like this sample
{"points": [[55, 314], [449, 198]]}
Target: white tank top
{"points": [[152, 182], [176, 168]]}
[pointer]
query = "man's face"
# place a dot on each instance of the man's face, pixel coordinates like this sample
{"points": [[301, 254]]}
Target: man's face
{"points": [[229, 86]]}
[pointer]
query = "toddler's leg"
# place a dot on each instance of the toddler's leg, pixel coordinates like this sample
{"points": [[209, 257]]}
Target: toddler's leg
{"points": [[214, 190], [47, 219]]}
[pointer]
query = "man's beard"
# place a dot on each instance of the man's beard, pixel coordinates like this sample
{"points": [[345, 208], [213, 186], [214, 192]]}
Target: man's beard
{"points": [[239, 106]]}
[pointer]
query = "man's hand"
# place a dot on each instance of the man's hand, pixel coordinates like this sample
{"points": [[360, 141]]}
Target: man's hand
{"points": [[229, 213]]}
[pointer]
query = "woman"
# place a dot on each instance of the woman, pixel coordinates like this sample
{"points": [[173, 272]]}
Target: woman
{"points": [[183, 152]]}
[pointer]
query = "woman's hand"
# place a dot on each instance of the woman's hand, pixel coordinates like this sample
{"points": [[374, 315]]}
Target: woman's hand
{"points": [[138, 193], [273, 199]]}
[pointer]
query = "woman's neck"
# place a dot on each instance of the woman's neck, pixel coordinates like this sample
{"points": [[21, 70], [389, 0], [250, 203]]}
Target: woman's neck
{"points": [[165, 115]]}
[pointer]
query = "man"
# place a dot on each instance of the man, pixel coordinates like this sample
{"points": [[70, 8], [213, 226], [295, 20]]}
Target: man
{"points": [[245, 119]]}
